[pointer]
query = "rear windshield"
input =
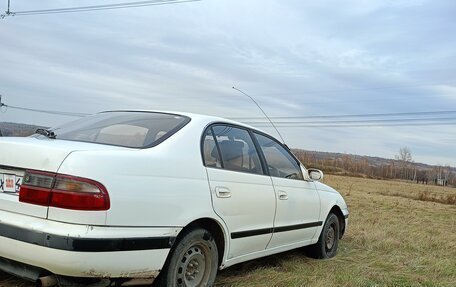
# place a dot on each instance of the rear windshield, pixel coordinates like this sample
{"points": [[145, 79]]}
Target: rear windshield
{"points": [[127, 129]]}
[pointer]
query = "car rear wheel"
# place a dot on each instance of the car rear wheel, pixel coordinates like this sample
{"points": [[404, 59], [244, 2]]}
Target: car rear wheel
{"points": [[327, 244], [192, 262]]}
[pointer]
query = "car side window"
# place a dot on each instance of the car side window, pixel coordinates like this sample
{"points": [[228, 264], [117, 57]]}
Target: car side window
{"points": [[238, 152], [210, 152], [279, 160]]}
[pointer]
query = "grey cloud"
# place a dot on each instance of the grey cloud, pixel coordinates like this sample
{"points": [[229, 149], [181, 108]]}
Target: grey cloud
{"points": [[294, 57]]}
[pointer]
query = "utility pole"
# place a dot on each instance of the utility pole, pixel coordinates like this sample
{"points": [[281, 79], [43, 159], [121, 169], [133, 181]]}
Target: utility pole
{"points": [[1, 105], [7, 12]]}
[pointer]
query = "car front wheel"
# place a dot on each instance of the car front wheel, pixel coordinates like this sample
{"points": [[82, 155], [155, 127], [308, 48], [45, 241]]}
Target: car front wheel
{"points": [[327, 244], [193, 262]]}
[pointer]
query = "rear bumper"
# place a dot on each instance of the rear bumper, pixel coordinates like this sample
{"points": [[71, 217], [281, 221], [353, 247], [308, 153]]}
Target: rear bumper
{"points": [[84, 250]]}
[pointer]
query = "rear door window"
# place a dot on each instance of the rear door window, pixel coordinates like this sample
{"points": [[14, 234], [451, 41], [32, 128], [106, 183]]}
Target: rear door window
{"points": [[237, 150], [210, 151]]}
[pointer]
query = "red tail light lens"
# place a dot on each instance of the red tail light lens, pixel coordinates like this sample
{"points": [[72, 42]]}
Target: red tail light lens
{"points": [[63, 191], [36, 187], [34, 195]]}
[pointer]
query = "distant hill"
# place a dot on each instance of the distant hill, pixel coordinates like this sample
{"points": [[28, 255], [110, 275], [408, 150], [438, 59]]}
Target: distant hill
{"points": [[17, 130], [377, 167], [371, 160]]}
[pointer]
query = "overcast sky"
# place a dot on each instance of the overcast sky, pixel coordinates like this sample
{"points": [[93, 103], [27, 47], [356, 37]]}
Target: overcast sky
{"points": [[296, 58]]}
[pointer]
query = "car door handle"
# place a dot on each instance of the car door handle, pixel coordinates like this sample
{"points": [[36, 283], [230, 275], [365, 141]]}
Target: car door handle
{"points": [[222, 192], [283, 195]]}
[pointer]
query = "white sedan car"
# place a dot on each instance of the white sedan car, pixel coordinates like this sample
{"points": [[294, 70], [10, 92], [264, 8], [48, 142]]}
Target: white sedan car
{"points": [[131, 197]]}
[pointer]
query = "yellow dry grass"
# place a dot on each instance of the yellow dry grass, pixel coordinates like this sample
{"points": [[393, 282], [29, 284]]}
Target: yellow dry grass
{"points": [[395, 238]]}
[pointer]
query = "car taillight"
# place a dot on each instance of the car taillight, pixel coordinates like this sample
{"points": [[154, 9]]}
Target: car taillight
{"points": [[63, 191], [36, 187]]}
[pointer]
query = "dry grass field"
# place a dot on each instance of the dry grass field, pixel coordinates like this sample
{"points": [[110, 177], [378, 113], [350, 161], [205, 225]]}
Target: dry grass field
{"points": [[400, 234]]}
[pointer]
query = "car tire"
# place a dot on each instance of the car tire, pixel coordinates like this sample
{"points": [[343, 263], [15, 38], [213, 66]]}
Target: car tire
{"points": [[326, 246], [192, 262]]}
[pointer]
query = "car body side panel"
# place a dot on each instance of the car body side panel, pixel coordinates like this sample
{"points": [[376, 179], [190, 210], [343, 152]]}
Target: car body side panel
{"points": [[329, 198], [249, 208], [298, 210], [165, 185]]}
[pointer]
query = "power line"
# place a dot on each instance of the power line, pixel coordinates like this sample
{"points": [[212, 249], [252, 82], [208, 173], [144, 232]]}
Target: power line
{"points": [[70, 114], [366, 125], [352, 115], [363, 121], [95, 7], [381, 121]]}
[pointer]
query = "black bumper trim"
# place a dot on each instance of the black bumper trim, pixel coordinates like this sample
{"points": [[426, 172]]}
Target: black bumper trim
{"points": [[84, 244]]}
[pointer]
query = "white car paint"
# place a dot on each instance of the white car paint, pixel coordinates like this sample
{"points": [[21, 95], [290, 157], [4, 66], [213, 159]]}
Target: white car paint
{"points": [[155, 192], [143, 263], [290, 211], [239, 216]]}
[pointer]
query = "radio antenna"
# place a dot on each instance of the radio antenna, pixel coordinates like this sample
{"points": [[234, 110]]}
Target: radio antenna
{"points": [[264, 113]]}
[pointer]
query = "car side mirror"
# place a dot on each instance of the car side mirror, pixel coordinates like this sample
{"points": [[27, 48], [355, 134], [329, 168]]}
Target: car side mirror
{"points": [[315, 174], [305, 173]]}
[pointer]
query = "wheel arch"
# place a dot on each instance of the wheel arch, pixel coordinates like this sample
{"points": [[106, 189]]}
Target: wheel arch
{"points": [[338, 212], [214, 228]]}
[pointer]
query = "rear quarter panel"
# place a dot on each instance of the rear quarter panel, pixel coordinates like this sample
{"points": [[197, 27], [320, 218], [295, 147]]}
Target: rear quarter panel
{"points": [[164, 185]]}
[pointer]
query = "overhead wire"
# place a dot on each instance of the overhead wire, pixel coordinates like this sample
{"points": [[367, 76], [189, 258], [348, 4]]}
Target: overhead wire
{"points": [[422, 118], [96, 7], [354, 115], [360, 122], [365, 125], [366, 121], [70, 114], [306, 124]]}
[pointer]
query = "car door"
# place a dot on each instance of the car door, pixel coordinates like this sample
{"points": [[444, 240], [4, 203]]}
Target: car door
{"points": [[298, 203], [242, 195]]}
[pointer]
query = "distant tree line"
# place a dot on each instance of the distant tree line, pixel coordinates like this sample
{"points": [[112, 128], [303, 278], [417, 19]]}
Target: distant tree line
{"points": [[402, 167]]}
